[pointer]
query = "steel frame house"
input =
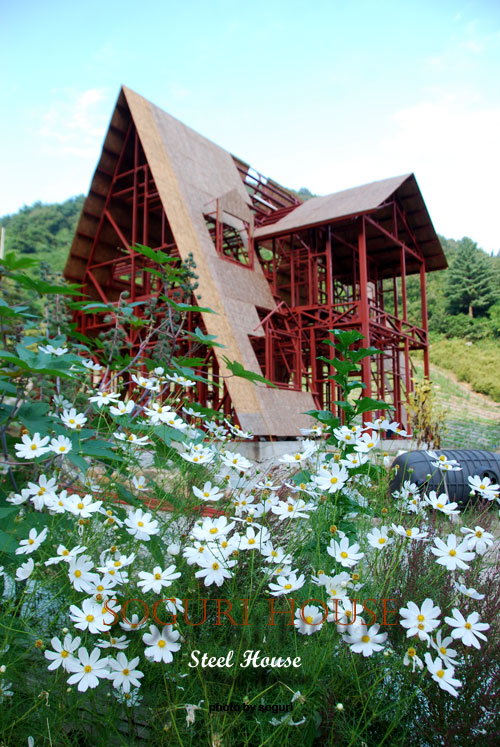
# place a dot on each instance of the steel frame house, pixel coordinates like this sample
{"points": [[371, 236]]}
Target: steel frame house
{"points": [[278, 272]]}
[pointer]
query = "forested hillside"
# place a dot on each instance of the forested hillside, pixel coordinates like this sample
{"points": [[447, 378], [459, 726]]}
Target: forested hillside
{"points": [[463, 301]]}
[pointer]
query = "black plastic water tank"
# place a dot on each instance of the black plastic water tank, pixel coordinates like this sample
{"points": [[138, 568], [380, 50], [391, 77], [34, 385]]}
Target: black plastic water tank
{"points": [[416, 466]]}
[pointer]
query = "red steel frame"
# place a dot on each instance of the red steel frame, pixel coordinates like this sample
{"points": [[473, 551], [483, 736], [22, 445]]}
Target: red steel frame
{"points": [[315, 292]]}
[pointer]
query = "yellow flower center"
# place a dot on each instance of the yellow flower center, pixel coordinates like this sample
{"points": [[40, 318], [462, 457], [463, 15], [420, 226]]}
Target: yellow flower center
{"points": [[71, 420], [206, 494], [214, 530], [369, 445], [453, 553], [89, 618], [251, 542], [33, 447], [442, 650], [87, 668], [31, 541], [157, 576], [78, 573], [274, 553], [344, 555], [309, 619], [440, 505], [62, 448], [288, 586], [411, 652], [161, 643], [215, 566], [420, 618], [117, 563], [365, 639], [421, 626], [126, 672], [408, 532], [381, 540], [290, 508], [333, 592], [440, 673], [334, 480], [140, 523], [64, 654], [479, 534], [468, 626], [80, 505]]}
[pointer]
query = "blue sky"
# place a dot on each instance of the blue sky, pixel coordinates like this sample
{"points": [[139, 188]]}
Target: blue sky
{"points": [[325, 95]]}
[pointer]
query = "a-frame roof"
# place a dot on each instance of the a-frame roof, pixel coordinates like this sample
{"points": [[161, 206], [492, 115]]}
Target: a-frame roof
{"points": [[190, 172], [368, 198]]}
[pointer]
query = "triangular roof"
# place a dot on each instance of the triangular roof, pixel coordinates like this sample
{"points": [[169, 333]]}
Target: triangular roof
{"points": [[190, 172], [365, 199]]}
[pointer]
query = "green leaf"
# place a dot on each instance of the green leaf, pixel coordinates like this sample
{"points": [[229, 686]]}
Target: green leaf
{"points": [[367, 403], [185, 307], [238, 370], [155, 254], [205, 339], [99, 448], [7, 386], [33, 415], [43, 288], [16, 261], [78, 461], [357, 355], [346, 337]]}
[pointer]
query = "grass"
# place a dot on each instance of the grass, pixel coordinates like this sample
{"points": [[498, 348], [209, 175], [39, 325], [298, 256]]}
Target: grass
{"points": [[473, 419]]}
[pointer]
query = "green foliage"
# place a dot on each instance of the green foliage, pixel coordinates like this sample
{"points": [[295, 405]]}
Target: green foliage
{"points": [[476, 363], [469, 286]]}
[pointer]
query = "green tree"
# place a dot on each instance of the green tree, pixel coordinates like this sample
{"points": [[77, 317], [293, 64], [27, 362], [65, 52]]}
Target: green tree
{"points": [[469, 286]]}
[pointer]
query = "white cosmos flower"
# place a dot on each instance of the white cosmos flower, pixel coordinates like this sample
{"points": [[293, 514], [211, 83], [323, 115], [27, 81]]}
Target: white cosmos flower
{"points": [[88, 669], [157, 580], [451, 554], [79, 573], [141, 525], [254, 538], [123, 673], [160, 646], [18, 498], [119, 643], [62, 653], [139, 483], [309, 620], [366, 642], [441, 503], [286, 584], [336, 586], [134, 623], [91, 366], [442, 646], [467, 630], [293, 508], [199, 457], [472, 593], [90, 617], [27, 546], [346, 614], [51, 350], [64, 554], [131, 439], [420, 620], [345, 554], [61, 445], [366, 442], [379, 538], [25, 570], [122, 408], [412, 658], [410, 533], [181, 380], [209, 492], [478, 539], [275, 554], [82, 507], [444, 677], [212, 528], [133, 698], [484, 486], [214, 570], [32, 447], [72, 419], [104, 397]]}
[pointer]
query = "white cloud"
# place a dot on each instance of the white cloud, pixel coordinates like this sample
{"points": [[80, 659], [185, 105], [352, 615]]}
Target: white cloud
{"points": [[76, 122], [452, 144]]}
